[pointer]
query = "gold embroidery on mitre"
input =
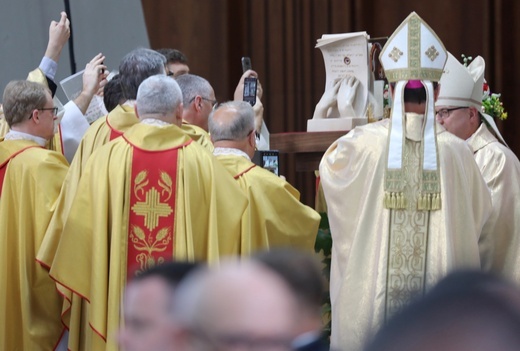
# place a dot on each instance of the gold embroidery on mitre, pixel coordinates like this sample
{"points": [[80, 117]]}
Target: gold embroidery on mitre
{"points": [[149, 245], [395, 54], [432, 53], [152, 209]]}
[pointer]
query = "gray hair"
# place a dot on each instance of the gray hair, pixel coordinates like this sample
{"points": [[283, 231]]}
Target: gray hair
{"points": [[138, 65], [21, 97], [236, 129], [193, 85], [158, 95]]}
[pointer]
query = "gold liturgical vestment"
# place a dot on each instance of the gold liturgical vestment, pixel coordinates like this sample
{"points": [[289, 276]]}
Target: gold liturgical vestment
{"points": [[382, 258], [198, 134], [275, 216], [149, 196], [100, 132], [500, 240], [30, 181]]}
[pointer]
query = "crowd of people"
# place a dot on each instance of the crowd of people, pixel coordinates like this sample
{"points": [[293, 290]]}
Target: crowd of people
{"points": [[152, 229]]}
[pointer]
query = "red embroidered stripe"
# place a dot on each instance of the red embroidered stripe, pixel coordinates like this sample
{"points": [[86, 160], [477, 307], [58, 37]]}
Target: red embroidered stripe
{"points": [[152, 209]]}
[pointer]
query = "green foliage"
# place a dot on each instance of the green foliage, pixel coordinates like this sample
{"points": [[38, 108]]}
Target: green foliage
{"points": [[323, 245]]}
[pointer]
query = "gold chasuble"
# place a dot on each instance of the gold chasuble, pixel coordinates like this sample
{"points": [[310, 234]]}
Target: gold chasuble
{"points": [[30, 181], [381, 257], [500, 240], [198, 134], [99, 133], [149, 196], [275, 216]]}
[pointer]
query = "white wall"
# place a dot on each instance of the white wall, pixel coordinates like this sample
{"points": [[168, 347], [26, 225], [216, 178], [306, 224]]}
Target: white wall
{"points": [[113, 27]]}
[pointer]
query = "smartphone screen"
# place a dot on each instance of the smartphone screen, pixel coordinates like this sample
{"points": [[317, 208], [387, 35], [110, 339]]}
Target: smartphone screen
{"points": [[246, 63], [270, 161], [267, 159], [250, 90]]}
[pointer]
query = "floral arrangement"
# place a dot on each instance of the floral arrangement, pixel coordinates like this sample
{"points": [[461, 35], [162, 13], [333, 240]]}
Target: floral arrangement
{"points": [[491, 103]]}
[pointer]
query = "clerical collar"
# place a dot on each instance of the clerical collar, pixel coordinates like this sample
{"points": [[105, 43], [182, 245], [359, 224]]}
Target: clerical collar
{"points": [[155, 122], [16, 135], [224, 151]]}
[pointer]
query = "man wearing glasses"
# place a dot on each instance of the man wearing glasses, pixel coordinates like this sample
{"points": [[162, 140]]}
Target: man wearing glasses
{"points": [[198, 100], [30, 180], [459, 109]]}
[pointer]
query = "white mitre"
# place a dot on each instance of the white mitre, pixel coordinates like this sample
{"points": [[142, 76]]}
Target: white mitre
{"points": [[462, 86], [413, 53]]}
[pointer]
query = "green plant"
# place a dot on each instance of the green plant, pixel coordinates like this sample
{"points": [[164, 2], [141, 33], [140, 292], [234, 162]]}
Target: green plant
{"points": [[323, 246]]}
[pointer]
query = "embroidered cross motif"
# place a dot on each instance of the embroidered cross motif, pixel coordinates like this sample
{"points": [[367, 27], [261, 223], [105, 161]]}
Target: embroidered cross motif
{"points": [[432, 53], [395, 54], [152, 209]]}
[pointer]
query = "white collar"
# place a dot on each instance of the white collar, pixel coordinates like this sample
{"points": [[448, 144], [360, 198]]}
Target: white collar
{"points": [[230, 151], [16, 135], [155, 122]]}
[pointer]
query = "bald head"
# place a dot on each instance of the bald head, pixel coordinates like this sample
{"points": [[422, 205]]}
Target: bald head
{"points": [[232, 125], [239, 303]]}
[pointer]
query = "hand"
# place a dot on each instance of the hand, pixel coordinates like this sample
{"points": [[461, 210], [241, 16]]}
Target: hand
{"points": [[328, 100], [239, 90], [347, 96], [259, 114], [94, 78], [59, 33]]}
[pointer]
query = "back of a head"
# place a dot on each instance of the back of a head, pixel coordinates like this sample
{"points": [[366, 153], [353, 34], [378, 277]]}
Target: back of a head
{"points": [[136, 66], [301, 271], [20, 98], [192, 85], [235, 304], [112, 93], [171, 272], [456, 316], [233, 120], [158, 96], [416, 95], [173, 55]]}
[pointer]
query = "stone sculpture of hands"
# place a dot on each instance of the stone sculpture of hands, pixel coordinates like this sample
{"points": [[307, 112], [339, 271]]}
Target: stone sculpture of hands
{"points": [[327, 101], [347, 96]]}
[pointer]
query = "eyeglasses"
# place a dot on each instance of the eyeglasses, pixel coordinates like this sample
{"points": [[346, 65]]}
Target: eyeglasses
{"points": [[53, 109], [445, 112], [214, 103]]}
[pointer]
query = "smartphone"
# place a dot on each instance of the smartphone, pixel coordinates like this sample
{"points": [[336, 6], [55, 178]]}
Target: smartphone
{"points": [[246, 63], [268, 159], [249, 95]]}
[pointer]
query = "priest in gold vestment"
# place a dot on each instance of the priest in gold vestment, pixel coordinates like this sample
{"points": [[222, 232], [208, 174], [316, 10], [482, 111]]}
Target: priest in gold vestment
{"points": [[147, 197], [405, 199], [30, 181], [135, 67], [275, 216], [459, 110]]}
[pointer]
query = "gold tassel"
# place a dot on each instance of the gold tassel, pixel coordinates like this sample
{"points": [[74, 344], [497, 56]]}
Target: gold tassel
{"points": [[429, 202], [436, 202], [394, 201]]}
